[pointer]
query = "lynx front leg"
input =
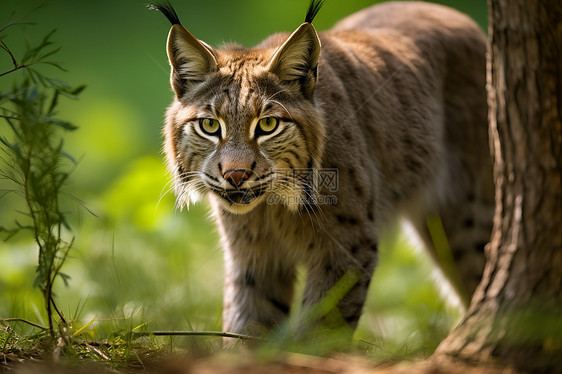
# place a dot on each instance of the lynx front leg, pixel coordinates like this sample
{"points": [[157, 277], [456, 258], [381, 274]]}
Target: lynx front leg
{"points": [[348, 269], [257, 294]]}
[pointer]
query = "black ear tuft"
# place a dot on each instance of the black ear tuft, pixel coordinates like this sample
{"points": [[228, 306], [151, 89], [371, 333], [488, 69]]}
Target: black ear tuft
{"points": [[313, 10], [167, 10]]}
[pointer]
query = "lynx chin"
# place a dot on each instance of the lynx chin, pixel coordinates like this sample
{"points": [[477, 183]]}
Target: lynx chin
{"points": [[392, 98]]}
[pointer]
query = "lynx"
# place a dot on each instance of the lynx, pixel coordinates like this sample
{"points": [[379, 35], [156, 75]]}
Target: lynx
{"points": [[310, 145]]}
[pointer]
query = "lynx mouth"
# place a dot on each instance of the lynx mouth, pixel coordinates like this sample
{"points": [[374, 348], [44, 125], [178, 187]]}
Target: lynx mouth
{"points": [[240, 196]]}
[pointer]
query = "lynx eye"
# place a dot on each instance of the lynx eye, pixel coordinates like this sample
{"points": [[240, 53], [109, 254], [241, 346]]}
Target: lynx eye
{"points": [[210, 126], [266, 126]]}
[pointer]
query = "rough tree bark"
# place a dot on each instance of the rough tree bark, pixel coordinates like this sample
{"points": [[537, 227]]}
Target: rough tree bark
{"points": [[515, 316]]}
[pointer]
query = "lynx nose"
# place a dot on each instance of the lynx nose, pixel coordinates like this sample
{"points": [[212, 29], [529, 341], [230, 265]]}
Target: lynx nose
{"points": [[236, 176]]}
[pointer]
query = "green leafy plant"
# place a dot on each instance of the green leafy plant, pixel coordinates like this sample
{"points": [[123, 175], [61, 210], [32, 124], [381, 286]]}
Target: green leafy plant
{"points": [[33, 161]]}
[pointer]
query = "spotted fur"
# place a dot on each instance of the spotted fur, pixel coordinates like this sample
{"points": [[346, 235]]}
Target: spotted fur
{"points": [[392, 99]]}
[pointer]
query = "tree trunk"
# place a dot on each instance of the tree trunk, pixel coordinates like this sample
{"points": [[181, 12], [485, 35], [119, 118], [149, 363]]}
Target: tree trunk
{"points": [[515, 315]]}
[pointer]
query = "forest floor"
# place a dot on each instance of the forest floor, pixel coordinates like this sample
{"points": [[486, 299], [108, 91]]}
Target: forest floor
{"points": [[247, 363]]}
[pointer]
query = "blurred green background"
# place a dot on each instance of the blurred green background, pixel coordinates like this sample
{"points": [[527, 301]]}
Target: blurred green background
{"points": [[139, 259]]}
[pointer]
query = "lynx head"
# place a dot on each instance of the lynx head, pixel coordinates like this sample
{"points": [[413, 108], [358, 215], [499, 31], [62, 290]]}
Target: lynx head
{"points": [[243, 125]]}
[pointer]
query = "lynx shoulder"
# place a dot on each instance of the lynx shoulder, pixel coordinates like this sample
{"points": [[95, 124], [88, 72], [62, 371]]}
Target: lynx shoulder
{"points": [[309, 145]]}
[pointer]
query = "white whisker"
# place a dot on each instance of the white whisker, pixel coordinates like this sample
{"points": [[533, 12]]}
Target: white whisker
{"points": [[284, 107]]}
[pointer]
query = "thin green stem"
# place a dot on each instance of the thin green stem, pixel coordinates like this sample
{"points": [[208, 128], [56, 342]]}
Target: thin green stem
{"points": [[24, 321], [5, 47], [47, 288], [198, 333], [15, 69]]}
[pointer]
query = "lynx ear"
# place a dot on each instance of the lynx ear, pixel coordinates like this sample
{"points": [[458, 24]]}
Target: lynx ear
{"points": [[191, 59], [296, 61]]}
